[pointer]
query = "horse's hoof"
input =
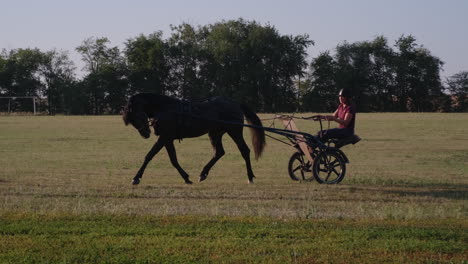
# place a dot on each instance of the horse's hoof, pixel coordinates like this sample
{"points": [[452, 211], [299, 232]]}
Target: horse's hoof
{"points": [[136, 181], [188, 182], [251, 179], [202, 177]]}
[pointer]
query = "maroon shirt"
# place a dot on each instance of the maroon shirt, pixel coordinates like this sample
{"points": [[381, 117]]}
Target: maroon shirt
{"points": [[343, 110]]}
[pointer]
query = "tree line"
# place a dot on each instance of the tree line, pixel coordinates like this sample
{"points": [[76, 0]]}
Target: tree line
{"points": [[244, 60]]}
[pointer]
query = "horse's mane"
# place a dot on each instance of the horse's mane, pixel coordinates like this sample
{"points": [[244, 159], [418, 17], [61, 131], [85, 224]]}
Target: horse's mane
{"points": [[144, 99]]}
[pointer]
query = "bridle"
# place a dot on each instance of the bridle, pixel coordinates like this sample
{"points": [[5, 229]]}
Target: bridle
{"points": [[142, 127]]}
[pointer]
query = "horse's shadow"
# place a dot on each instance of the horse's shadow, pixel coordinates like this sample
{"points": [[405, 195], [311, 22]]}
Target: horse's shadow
{"points": [[446, 191]]}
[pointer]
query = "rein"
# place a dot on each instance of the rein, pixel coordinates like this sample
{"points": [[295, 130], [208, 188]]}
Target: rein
{"points": [[184, 109], [151, 123], [290, 117]]}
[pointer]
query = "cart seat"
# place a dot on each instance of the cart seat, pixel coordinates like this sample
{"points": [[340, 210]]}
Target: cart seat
{"points": [[349, 140]]}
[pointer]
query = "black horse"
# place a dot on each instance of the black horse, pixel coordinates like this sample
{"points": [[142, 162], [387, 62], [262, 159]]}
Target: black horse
{"points": [[176, 119]]}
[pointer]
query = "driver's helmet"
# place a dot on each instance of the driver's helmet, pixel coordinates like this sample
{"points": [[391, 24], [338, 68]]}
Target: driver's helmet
{"points": [[345, 93]]}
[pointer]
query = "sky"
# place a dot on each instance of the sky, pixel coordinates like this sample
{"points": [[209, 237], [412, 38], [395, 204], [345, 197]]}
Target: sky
{"points": [[440, 26]]}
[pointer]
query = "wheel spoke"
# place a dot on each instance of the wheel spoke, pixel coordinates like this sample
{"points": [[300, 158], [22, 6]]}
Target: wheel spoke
{"points": [[297, 168], [336, 172], [328, 176], [323, 167], [301, 169], [330, 167], [301, 159], [336, 166], [335, 162], [324, 162], [333, 171]]}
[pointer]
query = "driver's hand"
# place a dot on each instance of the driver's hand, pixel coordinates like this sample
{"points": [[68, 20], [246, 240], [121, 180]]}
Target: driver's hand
{"points": [[317, 117]]}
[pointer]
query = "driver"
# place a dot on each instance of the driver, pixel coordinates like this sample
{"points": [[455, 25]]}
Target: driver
{"points": [[345, 116]]}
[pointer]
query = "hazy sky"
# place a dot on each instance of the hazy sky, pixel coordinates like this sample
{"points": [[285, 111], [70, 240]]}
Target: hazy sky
{"points": [[440, 26]]}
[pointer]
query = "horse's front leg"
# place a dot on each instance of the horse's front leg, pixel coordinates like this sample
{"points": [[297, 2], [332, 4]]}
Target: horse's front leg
{"points": [[154, 150], [173, 157]]}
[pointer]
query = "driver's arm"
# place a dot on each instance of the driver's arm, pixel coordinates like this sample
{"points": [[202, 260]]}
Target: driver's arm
{"points": [[345, 121], [329, 117]]}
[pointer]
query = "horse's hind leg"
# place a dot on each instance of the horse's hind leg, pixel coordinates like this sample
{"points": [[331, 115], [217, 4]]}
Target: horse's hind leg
{"points": [[172, 156], [236, 135], [154, 150], [216, 142]]}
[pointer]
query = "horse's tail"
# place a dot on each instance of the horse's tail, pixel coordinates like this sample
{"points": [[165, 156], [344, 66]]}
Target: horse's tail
{"points": [[258, 134]]}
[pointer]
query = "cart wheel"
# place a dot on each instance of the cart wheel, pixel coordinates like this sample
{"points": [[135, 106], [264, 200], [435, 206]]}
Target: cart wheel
{"points": [[329, 167], [299, 168]]}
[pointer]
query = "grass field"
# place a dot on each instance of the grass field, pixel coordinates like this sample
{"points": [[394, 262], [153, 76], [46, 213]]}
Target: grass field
{"points": [[66, 197]]}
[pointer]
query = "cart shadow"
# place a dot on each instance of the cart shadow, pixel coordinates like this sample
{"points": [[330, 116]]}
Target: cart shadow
{"points": [[455, 192]]}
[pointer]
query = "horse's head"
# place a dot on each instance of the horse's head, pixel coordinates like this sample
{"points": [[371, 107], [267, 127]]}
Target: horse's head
{"points": [[134, 114]]}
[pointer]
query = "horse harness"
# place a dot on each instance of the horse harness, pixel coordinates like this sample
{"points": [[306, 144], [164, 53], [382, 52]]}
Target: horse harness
{"points": [[181, 113], [182, 117]]}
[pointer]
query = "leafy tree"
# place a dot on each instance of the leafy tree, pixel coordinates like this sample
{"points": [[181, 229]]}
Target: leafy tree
{"points": [[254, 64], [20, 72], [417, 76], [186, 56], [75, 99], [57, 72], [244, 60], [105, 85], [458, 89], [147, 61], [354, 71], [4, 75], [321, 92], [19, 75], [226, 44], [381, 79], [382, 75]]}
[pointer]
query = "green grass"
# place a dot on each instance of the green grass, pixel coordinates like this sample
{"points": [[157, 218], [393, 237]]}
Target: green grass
{"points": [[145, 239], [65, 196]]}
